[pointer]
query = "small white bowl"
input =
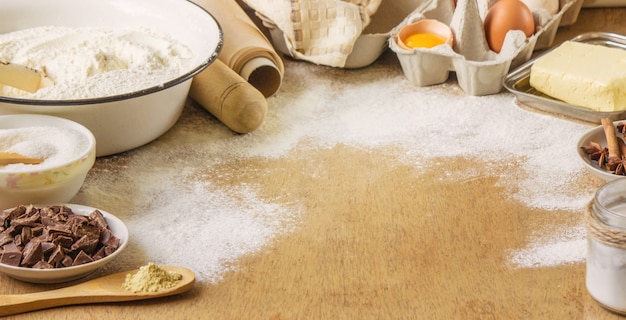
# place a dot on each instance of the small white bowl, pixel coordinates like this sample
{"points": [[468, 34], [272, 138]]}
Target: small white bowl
{"points": [[59, 275], [42, 183], [126, 121], [596, 135]]}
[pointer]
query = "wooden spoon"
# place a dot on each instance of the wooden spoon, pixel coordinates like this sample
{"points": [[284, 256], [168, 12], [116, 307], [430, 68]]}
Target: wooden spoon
{"points": [[23, 77], [12, 157], [103, 289]]}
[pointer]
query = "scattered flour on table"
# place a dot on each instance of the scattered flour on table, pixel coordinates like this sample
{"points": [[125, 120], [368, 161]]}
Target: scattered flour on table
{"points": [[94, 62], [365, 108], [569, 246], [195, 223]]}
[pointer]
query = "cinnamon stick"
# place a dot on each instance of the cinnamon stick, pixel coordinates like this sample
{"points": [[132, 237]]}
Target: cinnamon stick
{"points": [[611, 139], [622, 146]]}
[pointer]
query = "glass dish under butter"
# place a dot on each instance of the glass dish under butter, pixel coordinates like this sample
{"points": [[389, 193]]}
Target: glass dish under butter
{"points": [[518, 82]]}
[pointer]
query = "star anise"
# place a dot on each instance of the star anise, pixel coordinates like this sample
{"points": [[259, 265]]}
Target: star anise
{"points": [[617, 166], [621, 127], [596, 153]]}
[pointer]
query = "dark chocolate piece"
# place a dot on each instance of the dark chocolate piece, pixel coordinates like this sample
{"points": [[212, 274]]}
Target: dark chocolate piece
{"points": [[56, 257], [11, 255], [32, 253], [86, 244], [82, 258], [53, 237], [42, 265]]}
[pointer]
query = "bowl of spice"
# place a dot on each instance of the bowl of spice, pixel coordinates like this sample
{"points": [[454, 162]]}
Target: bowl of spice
{"points": [[58, 243], [122, 69], [43, 159], [602, 150]]}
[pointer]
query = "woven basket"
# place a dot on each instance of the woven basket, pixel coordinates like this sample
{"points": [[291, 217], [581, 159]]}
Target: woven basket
{"points": [[318, 31]]}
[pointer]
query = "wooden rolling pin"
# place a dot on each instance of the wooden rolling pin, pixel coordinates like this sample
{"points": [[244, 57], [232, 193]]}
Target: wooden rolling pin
{"points": [[229, 97]]}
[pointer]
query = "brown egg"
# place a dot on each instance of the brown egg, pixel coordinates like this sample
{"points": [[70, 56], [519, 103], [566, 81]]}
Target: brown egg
{"points": [[507, 15]]}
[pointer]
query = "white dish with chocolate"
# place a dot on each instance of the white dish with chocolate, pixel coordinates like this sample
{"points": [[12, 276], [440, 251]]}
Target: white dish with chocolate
{"points": [[58, 243]]}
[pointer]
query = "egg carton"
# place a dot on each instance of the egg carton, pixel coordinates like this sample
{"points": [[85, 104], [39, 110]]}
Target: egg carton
{"points": [[374, 39], [479, 71]]}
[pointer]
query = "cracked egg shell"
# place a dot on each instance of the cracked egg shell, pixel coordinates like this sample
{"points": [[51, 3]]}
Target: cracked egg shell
{"points": [[426, 27]]}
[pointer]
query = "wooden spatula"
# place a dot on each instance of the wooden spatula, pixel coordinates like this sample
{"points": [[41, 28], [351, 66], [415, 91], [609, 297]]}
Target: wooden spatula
{"points": [[12, 157], [105, 289], [23, 77]]}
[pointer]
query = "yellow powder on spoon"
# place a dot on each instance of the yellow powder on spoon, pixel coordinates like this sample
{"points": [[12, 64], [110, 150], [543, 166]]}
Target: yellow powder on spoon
{"points": [[151, 278]]}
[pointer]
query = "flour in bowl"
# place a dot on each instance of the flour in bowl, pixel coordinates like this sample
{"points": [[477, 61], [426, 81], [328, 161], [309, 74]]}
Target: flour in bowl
{"points": [[88, 63]]}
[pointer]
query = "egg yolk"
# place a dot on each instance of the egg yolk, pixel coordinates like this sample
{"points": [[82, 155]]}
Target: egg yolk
{"points": [[424, 40]]}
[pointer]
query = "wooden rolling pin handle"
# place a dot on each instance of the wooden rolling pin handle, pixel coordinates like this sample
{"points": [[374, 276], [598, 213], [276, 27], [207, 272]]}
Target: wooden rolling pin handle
{"points": [[229, 97]]}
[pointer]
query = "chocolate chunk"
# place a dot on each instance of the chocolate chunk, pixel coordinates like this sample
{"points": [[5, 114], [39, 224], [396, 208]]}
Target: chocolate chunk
{"points": [[13, 214], [18, 240], [61, 210], [56, 257], [11, 231], [109, 250], [5, 238], [63, 241], [11, 247], [11, 259], [87, 230], [27, 234], [67, 261], [51, 216], [59, 229], [77, 221], [53, 237], [11, 255], [97, 217], [32, 253], [110, 240], [47, 247], [82, 258], [26, 220], [86, 244], [37, 230], [100, 254], [5, 220], [42, 265]]}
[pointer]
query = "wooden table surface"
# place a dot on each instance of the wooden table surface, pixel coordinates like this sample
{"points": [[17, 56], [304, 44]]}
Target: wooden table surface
{"points": [[363, 251]]}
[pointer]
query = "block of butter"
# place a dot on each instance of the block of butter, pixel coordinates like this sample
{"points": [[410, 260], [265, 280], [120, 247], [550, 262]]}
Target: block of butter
{"points": [[582, 74]]}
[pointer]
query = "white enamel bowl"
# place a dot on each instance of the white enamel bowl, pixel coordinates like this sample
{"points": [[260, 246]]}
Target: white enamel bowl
{"points": [[126, 121], [59, 275], [43, 183]]}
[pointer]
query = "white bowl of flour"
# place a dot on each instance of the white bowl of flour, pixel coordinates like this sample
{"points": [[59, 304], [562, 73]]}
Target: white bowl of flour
{"points": [[68, 150], [120, 68]]}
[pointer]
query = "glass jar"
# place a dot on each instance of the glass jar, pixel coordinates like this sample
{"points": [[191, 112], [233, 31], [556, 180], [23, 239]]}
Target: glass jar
{"points": [[605, 222]]}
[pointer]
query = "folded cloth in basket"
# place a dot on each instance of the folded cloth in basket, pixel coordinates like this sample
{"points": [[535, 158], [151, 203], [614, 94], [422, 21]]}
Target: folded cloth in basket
{"points": [[318, 31]]}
